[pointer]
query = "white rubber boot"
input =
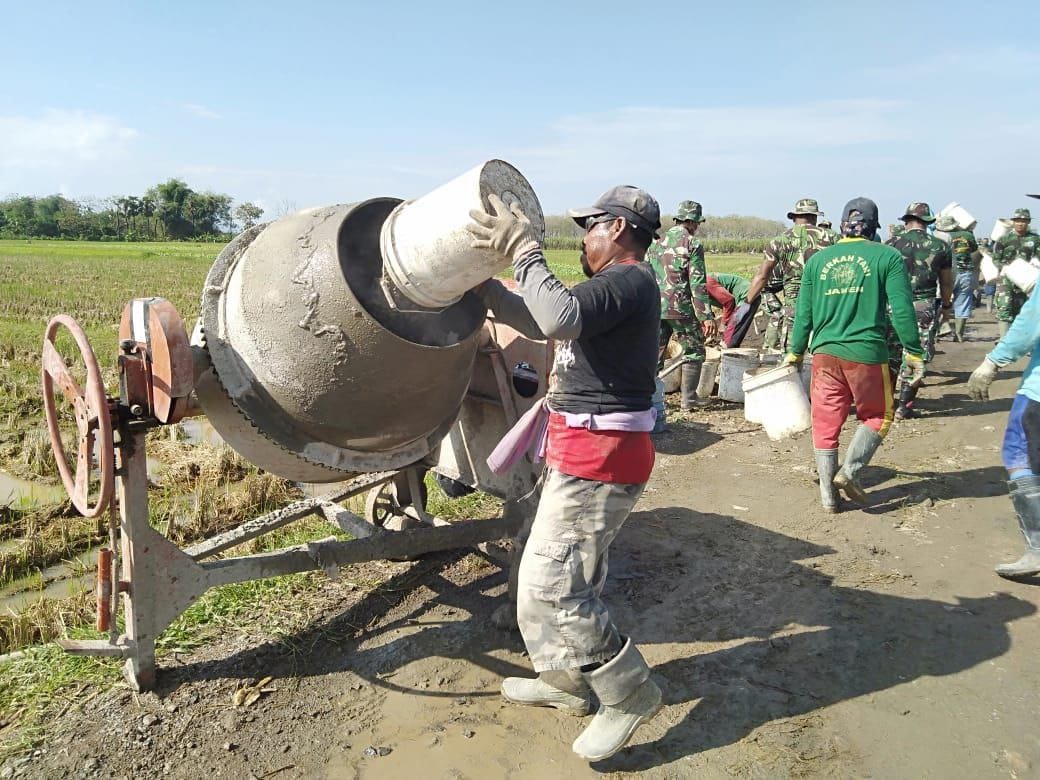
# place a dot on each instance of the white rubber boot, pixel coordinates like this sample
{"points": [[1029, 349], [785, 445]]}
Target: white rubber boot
{"points": [[861, 449], [547, 690], [627, 698]]}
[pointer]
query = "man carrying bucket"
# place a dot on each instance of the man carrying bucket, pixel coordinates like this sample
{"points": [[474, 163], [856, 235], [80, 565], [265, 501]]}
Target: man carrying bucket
{"points": [[678, 261], [929, 265], [965, 251], [598, 454], [846, 290], [789, 252], [1023, 243], [1021, 448]]}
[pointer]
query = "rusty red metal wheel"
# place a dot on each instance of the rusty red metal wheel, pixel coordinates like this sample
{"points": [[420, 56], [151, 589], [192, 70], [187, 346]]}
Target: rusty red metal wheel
{"points": [[93, 419]]}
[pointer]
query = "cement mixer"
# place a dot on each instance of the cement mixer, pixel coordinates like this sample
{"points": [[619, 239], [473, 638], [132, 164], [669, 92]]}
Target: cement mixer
{"points": [[335, 345]]}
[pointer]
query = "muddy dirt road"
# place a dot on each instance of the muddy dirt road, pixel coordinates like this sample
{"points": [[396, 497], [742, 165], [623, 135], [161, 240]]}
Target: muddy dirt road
{"points": [[787, 642]]}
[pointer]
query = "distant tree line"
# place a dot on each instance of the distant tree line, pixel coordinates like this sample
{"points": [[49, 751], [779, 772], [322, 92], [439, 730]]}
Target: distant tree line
{"points": [[171, 211], [730, 234]]}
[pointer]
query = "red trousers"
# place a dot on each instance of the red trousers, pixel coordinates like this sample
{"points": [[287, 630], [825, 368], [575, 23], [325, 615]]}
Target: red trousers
{"points": [[838, 384]]}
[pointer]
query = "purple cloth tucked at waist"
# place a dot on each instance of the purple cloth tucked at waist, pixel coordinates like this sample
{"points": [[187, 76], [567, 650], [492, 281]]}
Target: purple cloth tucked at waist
{"points": [[529, 433], [613, 421]]}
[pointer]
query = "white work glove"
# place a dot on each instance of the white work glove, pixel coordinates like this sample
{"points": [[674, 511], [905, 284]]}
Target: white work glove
{"points": [[791, 359], [980, 380], [507, 231], [916, 365]]}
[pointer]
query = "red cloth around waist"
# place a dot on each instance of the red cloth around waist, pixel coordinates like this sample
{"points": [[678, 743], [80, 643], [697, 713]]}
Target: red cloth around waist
{"points": [[623, 457]]}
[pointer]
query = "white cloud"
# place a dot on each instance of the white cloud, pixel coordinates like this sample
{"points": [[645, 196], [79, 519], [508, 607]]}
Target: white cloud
{"points": [[201, 111], [60, 138]]}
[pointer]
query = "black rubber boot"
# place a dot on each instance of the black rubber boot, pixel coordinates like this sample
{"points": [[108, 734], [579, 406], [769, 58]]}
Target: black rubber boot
{"points": [[691, 377], [1025, 496], [861, 449], [827, 469]]}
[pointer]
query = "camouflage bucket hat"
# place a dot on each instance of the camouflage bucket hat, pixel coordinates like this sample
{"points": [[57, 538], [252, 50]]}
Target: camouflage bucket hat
{"points": [[689, 210], [946, 223], [921, 211], [803, 207], [1022, 214]]}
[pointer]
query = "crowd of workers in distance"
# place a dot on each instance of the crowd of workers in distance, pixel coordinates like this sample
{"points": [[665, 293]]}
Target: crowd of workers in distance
{"points": [[866, 310]]}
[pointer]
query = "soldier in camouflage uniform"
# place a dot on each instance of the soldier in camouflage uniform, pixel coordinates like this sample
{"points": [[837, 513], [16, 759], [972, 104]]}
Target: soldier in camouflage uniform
{"points": [[786, 256], [929, 265], [965, 251], [1020, 242], [678, 262], [894, 230], [826, 224]]}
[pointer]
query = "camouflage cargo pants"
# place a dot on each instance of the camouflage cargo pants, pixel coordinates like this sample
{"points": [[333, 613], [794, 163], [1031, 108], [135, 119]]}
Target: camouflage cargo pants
{"points": [[927, 329], [776, 320], [562, 617], [1008, 300], [688, 334]]}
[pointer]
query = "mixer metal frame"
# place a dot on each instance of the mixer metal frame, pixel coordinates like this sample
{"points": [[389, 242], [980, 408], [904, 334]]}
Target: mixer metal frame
{"points": [[156, 580]]}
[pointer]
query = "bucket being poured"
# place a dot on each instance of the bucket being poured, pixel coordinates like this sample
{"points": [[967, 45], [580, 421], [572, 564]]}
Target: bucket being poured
{"points": [[778, 401]]}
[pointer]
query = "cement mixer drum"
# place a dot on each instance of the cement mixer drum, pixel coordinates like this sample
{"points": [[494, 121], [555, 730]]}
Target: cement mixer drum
{"points": [[315, 374]]}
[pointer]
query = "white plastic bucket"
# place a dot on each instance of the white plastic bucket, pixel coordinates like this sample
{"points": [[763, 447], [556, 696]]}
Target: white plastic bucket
{"points": [[988, 268], [427, 251], [752, 401], [964, 220], [778, 400], [1000, 229], [1022, 274], [733, 364]]}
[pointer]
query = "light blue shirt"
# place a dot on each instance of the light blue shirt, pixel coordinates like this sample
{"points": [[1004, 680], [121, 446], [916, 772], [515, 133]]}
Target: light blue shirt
{"points": [[1021, 339]]}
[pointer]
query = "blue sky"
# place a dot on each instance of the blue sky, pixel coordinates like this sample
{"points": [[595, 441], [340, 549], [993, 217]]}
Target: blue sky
{"points": [[743, 106]]}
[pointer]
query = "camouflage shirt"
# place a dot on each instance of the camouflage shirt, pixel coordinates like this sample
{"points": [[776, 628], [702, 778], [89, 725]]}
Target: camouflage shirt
{"points": [[677, 258], [962, 246], [792, 249], [925, 256], [1012, 245]]}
